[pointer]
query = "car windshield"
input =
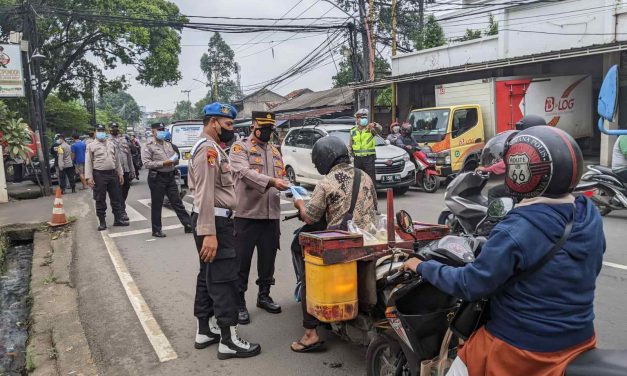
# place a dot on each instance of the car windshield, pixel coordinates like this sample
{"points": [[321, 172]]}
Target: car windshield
{"points": [[186, 135], [344, 135], [429, 122]]}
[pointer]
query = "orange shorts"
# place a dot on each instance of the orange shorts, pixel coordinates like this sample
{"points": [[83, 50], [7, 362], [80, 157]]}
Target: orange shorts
{"points": [[486, 355]]}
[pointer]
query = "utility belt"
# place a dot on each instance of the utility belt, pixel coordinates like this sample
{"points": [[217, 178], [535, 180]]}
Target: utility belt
{"points": [[363, 154], [219, 212], [106, 172], [155, 173]]}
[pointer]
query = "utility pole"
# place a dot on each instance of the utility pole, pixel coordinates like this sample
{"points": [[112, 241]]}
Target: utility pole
{"points": [[189, 109], [364, 44], [214, 93], [421, 17], [394, 46]]}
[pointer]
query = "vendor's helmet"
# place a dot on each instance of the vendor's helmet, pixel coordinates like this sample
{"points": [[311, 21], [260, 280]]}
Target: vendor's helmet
{"points": [[494, 149], [327, 152], [529, 121], [542, 161]]}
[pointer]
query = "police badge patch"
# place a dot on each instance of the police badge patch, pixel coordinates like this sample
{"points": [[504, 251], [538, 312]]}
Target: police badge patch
{"points": [[529, 168]]}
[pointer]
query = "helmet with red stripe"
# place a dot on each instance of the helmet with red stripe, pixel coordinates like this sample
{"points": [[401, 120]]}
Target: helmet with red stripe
{"points": [[542, 161]]}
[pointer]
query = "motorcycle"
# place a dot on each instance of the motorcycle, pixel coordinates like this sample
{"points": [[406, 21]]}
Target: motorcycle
{"points": [[604, 188], [426, 174], [467, 207]]}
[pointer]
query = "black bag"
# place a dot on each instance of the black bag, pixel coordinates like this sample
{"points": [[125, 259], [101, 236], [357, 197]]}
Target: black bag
{"points": [[470, 316], [348, 216]]}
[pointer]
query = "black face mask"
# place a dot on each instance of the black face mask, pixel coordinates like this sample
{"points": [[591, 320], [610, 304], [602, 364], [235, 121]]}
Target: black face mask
{"points": [[114, 133], [265, 134], [226, 135]]}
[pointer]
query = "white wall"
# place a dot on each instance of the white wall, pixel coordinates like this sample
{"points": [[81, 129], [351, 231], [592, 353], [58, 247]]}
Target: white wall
{"points": [[554, 27]]}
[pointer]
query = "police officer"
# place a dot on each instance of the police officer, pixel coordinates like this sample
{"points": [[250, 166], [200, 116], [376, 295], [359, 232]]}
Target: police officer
{"points": [[124, 151], [259, 171], [211, 183], [104, 174], [362, 143], [159, 158]]}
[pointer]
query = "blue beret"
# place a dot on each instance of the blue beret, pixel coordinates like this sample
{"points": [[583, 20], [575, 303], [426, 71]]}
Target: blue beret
{"points": [[220, 109]]}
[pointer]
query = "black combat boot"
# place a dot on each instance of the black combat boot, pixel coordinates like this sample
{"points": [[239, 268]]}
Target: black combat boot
{"points": [[264, 301], [207, 333], [102, 224], [243, 317], [120, 222], [232, 346], [124, 216]]}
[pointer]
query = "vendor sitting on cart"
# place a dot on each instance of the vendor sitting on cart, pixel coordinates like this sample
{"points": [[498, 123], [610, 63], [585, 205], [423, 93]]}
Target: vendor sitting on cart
{"points": [[331, 203]]}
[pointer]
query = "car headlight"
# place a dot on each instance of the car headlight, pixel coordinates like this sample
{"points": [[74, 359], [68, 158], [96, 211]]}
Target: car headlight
{"points": [[406, 157]]}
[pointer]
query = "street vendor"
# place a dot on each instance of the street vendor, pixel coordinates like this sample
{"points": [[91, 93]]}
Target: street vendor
{"points": [[332, 203]]}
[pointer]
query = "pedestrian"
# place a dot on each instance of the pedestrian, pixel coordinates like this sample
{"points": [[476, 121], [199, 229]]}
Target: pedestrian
{"points": [[160, 158], [104, 174], [65, 164], [362, 143], [136, 154], [124, 151], [259, 171], [211, 183], [78, 157]]}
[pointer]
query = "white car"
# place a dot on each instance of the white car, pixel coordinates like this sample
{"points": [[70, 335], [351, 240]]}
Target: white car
{"points": [[393, 166]]}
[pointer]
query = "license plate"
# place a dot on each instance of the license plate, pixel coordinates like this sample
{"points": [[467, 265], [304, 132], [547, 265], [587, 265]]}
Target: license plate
{"points": [[391, 178], [187, 155]]}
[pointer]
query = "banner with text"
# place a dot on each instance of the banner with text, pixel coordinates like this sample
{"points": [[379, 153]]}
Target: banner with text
{"points": [[11, 78]]}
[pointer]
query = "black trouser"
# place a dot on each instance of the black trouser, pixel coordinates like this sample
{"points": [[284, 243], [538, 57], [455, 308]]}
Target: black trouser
{"points": [[263, 234], [69, 173], [366, 164], [125, 188], [162, 184], [217, 282], [107, 181]]}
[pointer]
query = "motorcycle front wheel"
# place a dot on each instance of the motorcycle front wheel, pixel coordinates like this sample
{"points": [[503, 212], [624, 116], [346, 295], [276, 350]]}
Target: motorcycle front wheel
{"points": [[383, 360], [430, 183]]}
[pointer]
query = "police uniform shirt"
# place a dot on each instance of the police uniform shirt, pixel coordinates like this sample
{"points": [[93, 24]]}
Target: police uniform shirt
{"points": [[102, 155], [64, 156], [254, 164], [154, 154], [211, 183], [124, 151]]}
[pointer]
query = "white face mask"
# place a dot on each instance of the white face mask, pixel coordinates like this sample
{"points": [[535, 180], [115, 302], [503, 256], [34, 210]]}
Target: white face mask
{"points": [[396, 129]]}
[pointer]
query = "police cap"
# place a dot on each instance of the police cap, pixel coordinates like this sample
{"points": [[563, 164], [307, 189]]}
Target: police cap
{"points": [[264, 118], [158, 126]]}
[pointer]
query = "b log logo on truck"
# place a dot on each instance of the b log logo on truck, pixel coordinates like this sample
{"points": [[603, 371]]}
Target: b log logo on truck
{"points": [[559, 105]]}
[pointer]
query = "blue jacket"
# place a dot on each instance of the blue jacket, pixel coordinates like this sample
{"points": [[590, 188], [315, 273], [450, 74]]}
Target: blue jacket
{"points": [[550, 310]]}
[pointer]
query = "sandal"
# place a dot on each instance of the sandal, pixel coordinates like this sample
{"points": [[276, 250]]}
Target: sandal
{"points": [[308, 348]]}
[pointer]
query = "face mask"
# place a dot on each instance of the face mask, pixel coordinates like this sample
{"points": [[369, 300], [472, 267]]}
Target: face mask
{"points": [[265, 134], [114, 133], [226, 135], [396, 129], [101, 136], [161, 135], [363, 122]]}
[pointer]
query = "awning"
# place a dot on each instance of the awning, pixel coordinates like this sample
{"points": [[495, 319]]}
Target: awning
{"points": [[299, 115]]}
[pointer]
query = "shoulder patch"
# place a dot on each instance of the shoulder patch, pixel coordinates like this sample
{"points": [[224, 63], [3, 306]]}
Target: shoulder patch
{"points": [[212, 155], [237, 148]]}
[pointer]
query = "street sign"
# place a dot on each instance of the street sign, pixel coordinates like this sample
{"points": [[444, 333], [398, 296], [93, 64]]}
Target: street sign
{"points": [[11, 77]]}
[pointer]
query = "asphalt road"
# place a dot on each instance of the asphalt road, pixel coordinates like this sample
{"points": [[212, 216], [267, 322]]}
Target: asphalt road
{"points": [[164, 271]]}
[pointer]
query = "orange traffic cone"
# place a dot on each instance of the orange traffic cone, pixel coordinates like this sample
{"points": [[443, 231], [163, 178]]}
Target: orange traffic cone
{"points": [[58, 213]]}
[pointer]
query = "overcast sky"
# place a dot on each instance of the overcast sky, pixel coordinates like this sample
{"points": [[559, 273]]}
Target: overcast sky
{"points": [[256, 68]]}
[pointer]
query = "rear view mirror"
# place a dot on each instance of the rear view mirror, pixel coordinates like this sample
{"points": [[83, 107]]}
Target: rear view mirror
{"points": [[405, 222], [499, 207], [607, 105]]}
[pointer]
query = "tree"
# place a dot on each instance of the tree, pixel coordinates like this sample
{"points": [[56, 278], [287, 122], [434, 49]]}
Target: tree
{"points": [[13, 133], [79, 37], [219, 66], [344, 75], [184, 111], [493, 26], [66, 117], [432, 36], [122, 104], [471, 34]]}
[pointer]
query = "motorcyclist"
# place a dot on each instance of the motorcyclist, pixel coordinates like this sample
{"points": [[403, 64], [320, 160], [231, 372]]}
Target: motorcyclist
{"points": [[409, 142], [529, 121], [329, 207], [619, 158], [395, 136], [542, 322]]}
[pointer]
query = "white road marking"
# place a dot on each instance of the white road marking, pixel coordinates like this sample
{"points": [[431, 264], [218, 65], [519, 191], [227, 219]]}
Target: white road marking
{"points": [[613, 265], [143, 231], [151, 240], [153, 331], [134, 215], [165, 212]]}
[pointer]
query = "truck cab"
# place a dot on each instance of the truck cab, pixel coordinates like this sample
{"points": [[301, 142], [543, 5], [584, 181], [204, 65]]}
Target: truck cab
{"points": [[456, 135]]}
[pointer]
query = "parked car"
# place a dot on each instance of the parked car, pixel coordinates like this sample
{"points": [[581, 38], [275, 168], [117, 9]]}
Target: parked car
{"points": [[393, 166], [184, 135]]}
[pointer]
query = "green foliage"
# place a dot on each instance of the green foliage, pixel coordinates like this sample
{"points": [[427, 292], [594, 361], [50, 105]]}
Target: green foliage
{"points": [[78, 50], [14, 134], [66, 117], [471, 34], [344, 75], [432, 36], [122, 105], [106, 117], [184, 111], [219, 66], [493, 26], [384, 97]]}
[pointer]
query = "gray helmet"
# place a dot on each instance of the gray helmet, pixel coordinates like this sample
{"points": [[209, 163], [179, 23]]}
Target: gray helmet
{"points": [[328, 152], [529, 121]]}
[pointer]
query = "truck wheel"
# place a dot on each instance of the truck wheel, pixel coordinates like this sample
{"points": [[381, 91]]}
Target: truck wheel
{"points": [[383, 360], [400, 191]]}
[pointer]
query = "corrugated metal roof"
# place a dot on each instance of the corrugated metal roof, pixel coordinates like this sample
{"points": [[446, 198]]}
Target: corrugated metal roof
{"points": [[312, 112], [341, 96]]}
